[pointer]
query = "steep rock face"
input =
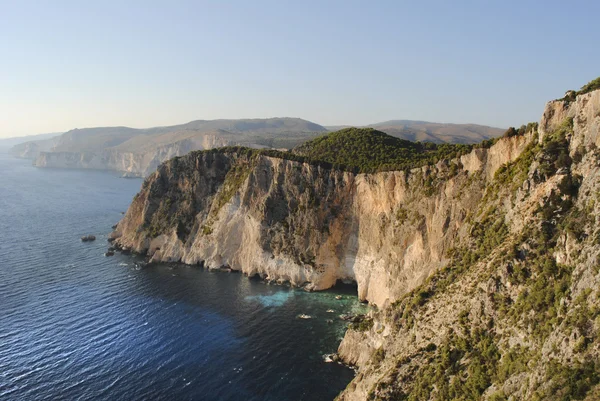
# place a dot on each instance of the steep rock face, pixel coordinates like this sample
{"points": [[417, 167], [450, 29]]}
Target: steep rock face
{"points": [[129, 163], [584, 111], [32, 149], [308, 225], [515, 314]]}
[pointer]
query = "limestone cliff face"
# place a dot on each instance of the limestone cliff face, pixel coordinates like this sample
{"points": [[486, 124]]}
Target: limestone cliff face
{"points": [[515, 315], [32, 149], [134, 164], [311, 226]]}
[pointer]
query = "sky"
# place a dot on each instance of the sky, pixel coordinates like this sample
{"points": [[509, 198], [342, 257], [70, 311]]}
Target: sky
{"points": [[76, 64]]}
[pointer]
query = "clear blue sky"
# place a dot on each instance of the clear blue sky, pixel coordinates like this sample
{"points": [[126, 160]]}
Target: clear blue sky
{"points": [[146, 63]]}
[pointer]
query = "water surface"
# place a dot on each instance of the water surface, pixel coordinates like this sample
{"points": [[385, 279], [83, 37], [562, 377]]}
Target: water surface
{"points": [[75, 324]]}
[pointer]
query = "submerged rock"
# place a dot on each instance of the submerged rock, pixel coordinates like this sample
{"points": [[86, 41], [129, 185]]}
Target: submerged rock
{"points": [[87, 238]]}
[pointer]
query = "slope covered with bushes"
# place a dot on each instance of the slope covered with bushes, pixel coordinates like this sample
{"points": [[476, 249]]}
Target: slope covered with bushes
{"points": [[367, 150]]}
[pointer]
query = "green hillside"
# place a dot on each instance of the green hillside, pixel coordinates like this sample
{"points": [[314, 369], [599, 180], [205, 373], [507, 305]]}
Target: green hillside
{"points": [[369, 150]]}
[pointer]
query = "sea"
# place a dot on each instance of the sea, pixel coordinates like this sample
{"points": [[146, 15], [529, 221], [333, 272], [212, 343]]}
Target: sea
{"points": [[78, 325]]}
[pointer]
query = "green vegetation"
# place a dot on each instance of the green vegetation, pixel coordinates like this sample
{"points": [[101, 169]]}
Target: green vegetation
{"points": [[590, 86], [570, 382], [207, 230], [513, 362], [523, 129], [498, 396], [469, 380], [378, 356], [587, 88], [581, 317], [555, 151], [366, 150], [362, 323], [160, 219], [234, 179], [548, 285], [401, 215]]}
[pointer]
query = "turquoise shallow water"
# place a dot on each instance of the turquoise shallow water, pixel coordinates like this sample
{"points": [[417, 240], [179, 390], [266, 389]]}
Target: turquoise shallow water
{"points": [[77, 325]]}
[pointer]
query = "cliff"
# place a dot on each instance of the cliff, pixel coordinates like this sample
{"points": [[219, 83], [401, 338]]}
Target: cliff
{"points": [[483, 267], [32, 149], [291, 221]]}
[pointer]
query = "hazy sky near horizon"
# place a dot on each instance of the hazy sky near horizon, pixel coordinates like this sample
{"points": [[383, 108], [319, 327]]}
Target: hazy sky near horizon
{"points": [[76, 64]]}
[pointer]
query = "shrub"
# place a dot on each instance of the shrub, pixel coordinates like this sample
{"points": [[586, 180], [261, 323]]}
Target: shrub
{"points": [[378, 356], [572, 382], [590, 86], [363, 323]]}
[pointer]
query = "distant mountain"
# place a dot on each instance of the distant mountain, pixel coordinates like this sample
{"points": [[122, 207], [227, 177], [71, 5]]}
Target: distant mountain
{"points": [[252, 132], [139, 151], [425, 131]]}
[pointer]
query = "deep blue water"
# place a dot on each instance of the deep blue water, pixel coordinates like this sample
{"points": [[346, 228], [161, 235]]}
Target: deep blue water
{"points": [[77, 325]]}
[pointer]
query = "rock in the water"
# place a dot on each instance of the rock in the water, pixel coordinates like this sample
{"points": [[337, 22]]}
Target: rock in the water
{"points": [[109, 253], [87, 238]]}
